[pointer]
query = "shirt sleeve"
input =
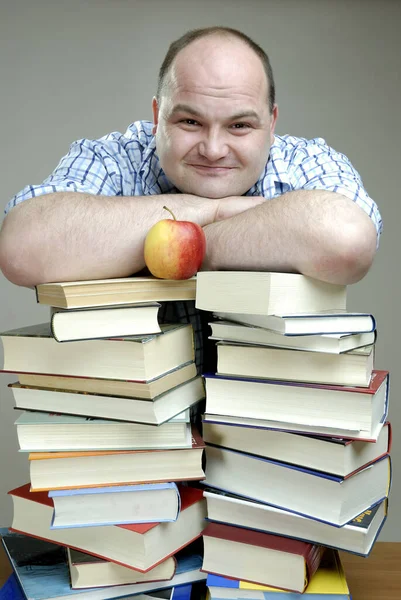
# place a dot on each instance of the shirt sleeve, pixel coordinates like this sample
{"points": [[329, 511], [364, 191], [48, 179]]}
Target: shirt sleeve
{"points": [[317, 166], [91, 166]]}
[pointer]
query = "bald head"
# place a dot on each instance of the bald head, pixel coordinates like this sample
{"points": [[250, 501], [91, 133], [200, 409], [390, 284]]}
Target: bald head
{"points": [[218, 41]]}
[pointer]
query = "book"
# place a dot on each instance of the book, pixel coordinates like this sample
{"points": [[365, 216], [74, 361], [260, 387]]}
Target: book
{"points": [[330, 455], [157, 411], [70, 470], [54, 432], [45, 575], [106, 292], [356, 536], [10, 590], [258, 557], [360, 413], [352, 368], [34, 350], [327, 498], [117, 505], [334, 343], [88, 571], [327, 583], [137, 546], [86, 324], [146, 390], [307, 323], [263, 293]]}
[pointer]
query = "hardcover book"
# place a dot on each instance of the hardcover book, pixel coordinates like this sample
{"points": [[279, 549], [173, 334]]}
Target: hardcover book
{"points": [[307, 324], [106, 292], [96, 323], [330, 455], [34, 350], [327, 498], [158, 411], [333, 343], [327, 583], [142, 390], [264, 293], [141, 547], [42, 572], [68, 470], [260, 558], [117, 505], [360, 413], [350, 369], [357, 536]]}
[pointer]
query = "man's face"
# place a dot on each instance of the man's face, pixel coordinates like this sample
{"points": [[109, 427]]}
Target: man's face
{"points": [[213, 125]]}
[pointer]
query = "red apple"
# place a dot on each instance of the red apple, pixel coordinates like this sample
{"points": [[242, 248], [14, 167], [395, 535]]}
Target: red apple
{"points": [[174, 249]]}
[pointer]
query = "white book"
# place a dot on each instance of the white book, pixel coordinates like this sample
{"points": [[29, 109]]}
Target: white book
{"points": [[325, 322], [332, 343]]}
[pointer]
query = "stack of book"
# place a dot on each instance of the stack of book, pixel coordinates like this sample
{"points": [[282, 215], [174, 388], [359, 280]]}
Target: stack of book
{"points": [[296, 432], [108, 394]]}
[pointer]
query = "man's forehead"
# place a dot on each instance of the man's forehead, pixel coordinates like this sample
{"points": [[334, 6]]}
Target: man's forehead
{"points": [[198, 111], [218, 59]]}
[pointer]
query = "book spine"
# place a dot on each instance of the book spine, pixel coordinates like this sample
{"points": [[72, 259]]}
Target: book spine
{"points": [[313, 559]]}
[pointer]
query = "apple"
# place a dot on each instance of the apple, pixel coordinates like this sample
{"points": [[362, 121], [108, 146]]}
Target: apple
{"points": [[174, 249]]}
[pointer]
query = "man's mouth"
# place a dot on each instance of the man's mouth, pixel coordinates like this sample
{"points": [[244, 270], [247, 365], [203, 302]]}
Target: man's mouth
{"points": [[211, 169]]}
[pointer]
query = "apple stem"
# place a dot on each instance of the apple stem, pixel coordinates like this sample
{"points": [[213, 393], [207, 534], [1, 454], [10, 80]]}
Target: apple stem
{"points": [[171, 212]]}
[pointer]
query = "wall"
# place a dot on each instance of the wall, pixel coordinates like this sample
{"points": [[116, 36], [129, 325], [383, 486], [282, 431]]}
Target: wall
{"points": [[83, 68]]}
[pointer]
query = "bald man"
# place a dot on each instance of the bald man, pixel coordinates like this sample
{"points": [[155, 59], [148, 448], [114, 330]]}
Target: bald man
{"points": [[266, 202]]}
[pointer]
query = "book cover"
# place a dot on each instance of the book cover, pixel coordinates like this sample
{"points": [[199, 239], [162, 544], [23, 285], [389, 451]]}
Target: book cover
{"points": [[188, 497], [106, 292], [358, 536], [311, 553], [312, 509], [112, 491], [328, 582], [379, 384], [197, 444], [42, 571]]}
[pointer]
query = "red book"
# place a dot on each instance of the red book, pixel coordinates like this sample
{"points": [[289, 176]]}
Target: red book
{"points": [[139, 546], [260, 558], [71, 470]]}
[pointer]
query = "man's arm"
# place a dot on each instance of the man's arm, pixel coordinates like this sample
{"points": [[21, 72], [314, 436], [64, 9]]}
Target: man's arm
{"points": [[314, 232], [76, 236]]}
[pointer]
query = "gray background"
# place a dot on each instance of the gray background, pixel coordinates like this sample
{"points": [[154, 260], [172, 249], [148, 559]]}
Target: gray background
{"points": [[84, 68]]}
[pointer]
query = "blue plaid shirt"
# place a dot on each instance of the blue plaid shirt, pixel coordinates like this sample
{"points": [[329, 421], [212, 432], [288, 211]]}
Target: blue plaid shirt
{"points": [[127, 165]]}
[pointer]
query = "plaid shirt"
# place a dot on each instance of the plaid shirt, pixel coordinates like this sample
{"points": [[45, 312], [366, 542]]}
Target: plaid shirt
{"points": [[127, 165]]}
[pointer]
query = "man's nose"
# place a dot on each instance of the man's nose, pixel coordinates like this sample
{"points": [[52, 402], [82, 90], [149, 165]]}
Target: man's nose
{"points": [[213, 146]]}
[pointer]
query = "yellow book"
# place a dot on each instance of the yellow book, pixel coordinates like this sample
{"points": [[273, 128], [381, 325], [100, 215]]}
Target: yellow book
{"points": [[328, 583]]}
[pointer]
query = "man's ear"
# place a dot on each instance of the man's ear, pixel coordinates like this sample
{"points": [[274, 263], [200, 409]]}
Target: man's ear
{"points": [[274, 117], [155, 110]]}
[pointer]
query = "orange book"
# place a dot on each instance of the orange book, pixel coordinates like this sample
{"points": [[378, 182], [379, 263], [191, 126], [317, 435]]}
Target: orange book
{"points": [[70, 470]]}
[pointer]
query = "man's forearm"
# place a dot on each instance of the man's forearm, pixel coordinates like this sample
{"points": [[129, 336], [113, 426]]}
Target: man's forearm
{"points": [[317, 233], [73, 236]]}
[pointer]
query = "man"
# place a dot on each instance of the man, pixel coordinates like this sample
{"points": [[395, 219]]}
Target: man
{"points": [[265, 202]]}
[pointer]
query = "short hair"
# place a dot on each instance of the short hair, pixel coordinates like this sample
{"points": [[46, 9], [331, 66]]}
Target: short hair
{"points": [[196, 34]]}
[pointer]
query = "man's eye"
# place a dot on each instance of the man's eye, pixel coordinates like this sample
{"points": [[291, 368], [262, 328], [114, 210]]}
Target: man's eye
{"points": [[240, 126], [189, 122]]}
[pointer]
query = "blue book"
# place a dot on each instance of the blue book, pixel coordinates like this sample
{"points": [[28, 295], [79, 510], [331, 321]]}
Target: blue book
{"points": [[115, 505], [328, 583], [42, 572], [10, 590]]}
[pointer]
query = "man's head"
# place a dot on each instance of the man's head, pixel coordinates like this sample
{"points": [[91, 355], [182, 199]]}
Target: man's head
{"points": [[214, 113]]}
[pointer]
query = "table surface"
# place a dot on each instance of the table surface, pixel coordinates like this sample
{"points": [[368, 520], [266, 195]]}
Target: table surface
{"points": [[377, 577]]}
